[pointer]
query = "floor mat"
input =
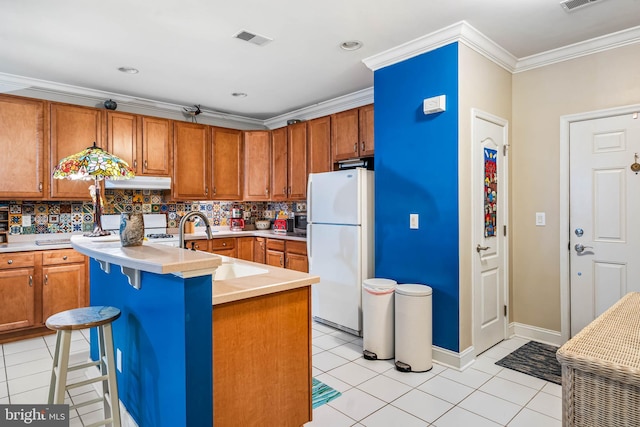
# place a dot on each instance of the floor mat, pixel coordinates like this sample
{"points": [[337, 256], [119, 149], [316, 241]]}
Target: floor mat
{"points": [[535, 359], [322, 393]]}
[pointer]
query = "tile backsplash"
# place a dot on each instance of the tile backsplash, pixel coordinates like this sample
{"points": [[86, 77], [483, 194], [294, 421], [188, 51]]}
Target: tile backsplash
{"points": [[40, 217]]}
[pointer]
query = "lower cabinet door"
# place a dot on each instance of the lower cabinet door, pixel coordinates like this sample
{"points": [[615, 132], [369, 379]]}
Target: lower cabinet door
{"points": [[275, 258], [297, 262], [17, 299], [63, 288]]}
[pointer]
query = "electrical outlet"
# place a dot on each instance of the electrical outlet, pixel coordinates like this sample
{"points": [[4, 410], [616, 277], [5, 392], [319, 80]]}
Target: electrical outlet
{"points": [[413, 221], [119, 360]]}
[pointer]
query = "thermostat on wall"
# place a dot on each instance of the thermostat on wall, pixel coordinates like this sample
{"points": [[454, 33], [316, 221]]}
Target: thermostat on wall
{"points": [[435, 104]]}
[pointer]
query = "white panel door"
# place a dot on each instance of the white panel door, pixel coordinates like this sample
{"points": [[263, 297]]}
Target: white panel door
{"points": [[604, 208], [334, 197], [489, 212], [335, 256]]}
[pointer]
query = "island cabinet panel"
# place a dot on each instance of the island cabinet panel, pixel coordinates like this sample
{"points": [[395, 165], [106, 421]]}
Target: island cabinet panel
{"points": [[249, 389], [72, 130], [155, 146], [22, 137], [319, 145], [297, 161], [257, 165], [279, 164], [227, 163], [192, 165]]}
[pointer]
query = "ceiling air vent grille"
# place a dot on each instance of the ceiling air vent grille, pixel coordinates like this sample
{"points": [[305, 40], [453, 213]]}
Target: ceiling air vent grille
{"points": [[252, 38], [571, 5]]}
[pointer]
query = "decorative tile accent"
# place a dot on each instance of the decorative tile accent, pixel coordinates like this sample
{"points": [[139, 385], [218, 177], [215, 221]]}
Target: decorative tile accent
{"points": [[15, 219], [15, 209], [76, 207], [54, 219]]}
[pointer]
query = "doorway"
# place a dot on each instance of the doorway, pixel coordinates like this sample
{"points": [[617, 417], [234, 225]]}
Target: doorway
{"points": [[598, 205], [489, 280]]}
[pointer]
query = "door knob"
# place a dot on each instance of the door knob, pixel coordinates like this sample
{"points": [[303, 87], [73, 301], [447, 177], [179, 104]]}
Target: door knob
{"points": [[580, 247], [481, 248]]}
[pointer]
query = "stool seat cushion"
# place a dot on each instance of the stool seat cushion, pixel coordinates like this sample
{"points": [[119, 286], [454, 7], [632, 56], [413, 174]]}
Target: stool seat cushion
{"points": [[82, 318]]}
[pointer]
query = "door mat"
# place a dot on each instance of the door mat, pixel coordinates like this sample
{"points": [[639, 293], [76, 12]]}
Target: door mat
{"points": [[535, 359], [322, 393]]}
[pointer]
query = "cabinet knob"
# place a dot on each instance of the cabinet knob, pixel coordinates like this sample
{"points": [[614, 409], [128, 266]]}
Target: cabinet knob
{"points": [[284, 190], [206, 190], [40, 187], [362, 146], [135, 164], [289, 193], [30, 281], [224, 243], [214, 191], [46, 279], [355, 147], [145, 164], [281, 261], [10, 261], [266, 191], [64, 258]]}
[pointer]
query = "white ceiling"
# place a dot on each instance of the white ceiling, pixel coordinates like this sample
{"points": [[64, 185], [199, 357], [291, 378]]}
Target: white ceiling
{"points": [[186, 53]]}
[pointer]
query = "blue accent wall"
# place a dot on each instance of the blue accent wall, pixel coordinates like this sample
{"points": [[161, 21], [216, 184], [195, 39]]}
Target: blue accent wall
{"points": [[165, 335], [417, 172]]}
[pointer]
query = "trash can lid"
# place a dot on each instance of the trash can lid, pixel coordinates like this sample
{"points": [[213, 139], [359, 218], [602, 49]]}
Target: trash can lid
{"points": [[379, 284], [414, 290]]}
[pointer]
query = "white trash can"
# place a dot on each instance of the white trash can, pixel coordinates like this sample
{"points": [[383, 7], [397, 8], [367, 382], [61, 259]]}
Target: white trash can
{"points": [[413, 328], [377, 318]]}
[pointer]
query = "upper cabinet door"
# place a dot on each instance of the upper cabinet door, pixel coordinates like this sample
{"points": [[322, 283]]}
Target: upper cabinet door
{"points": [[344, 135], [22, 167], [156, 147], [297, 161], [279, 164], [122, 137], [227, 163], [257, 162], [191, 156], [72, 130], [319, 145], [366, 131]]}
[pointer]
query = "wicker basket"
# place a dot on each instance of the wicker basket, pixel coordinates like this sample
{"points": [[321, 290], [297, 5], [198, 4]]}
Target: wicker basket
{"points": [[601, 369]]}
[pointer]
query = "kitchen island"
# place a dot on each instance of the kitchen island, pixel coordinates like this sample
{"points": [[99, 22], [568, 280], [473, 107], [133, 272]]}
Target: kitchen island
{"points": [[255, 343]]}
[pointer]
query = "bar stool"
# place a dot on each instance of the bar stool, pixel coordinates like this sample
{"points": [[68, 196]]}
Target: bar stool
{"points": [[82, 318]]}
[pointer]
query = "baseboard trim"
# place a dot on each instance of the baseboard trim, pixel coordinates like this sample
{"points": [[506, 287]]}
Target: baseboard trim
{"points": [[451, 359], [535, 333]]}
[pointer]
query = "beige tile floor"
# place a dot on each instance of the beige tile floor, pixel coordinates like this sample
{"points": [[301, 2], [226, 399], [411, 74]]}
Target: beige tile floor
{"points": [[374, 394]]}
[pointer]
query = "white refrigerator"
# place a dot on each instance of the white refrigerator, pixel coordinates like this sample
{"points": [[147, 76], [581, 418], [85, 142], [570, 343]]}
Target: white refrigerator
{"points": [[340, 245]]}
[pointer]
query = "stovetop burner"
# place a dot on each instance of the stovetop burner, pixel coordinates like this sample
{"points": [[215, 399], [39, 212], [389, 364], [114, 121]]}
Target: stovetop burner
{"points": [[159, 236]]}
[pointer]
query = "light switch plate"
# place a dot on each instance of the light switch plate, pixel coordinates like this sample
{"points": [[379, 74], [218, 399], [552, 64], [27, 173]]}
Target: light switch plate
{"points": [[413, 221], [541, 219], [26, 220]]}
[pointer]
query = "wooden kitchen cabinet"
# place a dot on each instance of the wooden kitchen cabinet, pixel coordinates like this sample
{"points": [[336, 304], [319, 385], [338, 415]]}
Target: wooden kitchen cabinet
{"points": [[319, 145], [296, 256], [227, 163], [244, 246], [257, 165], [279, 164], [64, 283], [198, 245], [17, 292], [275, 253], [260, 250], [297, 161], [352, 133], [224, 246], [191, 161], [22, 136], [73, 129]]}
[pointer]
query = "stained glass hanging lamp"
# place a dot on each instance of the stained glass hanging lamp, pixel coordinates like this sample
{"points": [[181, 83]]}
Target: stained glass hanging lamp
{"points": [[94, 163]]}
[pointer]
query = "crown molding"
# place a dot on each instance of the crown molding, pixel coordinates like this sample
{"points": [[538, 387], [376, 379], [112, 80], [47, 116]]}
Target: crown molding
{"points": [[458, 32], [335, 105], [12, 83], [576, 50]]}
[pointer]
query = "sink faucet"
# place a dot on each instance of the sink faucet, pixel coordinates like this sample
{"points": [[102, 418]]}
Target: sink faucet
{"points": [[185, 218]]}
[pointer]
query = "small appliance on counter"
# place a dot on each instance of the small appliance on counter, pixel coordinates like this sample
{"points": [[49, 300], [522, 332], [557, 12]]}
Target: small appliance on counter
{"points": [[283, 226], [236, 220]]}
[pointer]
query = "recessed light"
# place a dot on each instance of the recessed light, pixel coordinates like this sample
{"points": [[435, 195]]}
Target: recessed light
{"points": [[129, 70], [239, 94], [351, 45]]}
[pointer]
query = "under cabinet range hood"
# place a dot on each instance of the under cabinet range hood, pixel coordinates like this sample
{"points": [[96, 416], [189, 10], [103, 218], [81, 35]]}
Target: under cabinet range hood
{"points": [[140, 182]]}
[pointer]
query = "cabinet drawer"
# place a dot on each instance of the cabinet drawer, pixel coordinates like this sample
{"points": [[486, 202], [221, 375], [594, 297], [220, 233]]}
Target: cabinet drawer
{"points": [[62, 256], [16, 259], [224, 243], [297, 247], [198, 245], [275, 245]]}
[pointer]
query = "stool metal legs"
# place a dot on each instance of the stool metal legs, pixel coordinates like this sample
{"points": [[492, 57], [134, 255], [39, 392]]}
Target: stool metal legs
{"points": [[106, 363]]}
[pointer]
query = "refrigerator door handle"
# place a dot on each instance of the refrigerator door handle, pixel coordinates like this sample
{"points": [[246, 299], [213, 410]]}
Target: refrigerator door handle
{"points": [[309, 210], [309, 260]]}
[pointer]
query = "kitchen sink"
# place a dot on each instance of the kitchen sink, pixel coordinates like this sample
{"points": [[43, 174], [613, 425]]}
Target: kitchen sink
{"points": [[233, 270]]}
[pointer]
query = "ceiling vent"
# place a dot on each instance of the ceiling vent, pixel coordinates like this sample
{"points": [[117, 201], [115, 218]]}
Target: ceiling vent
{"points": [[571, 5], [252, 38]]}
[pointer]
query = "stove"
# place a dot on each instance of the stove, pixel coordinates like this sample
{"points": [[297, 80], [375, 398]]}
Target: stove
{"points": [[155, 227], [159, 236]]}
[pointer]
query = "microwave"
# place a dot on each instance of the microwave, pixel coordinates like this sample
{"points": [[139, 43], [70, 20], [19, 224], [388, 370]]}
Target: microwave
{"points": [[300, 222]]}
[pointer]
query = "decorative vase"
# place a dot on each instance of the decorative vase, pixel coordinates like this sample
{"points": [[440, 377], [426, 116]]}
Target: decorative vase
{"points": [[110, 104], [131, 229]]}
